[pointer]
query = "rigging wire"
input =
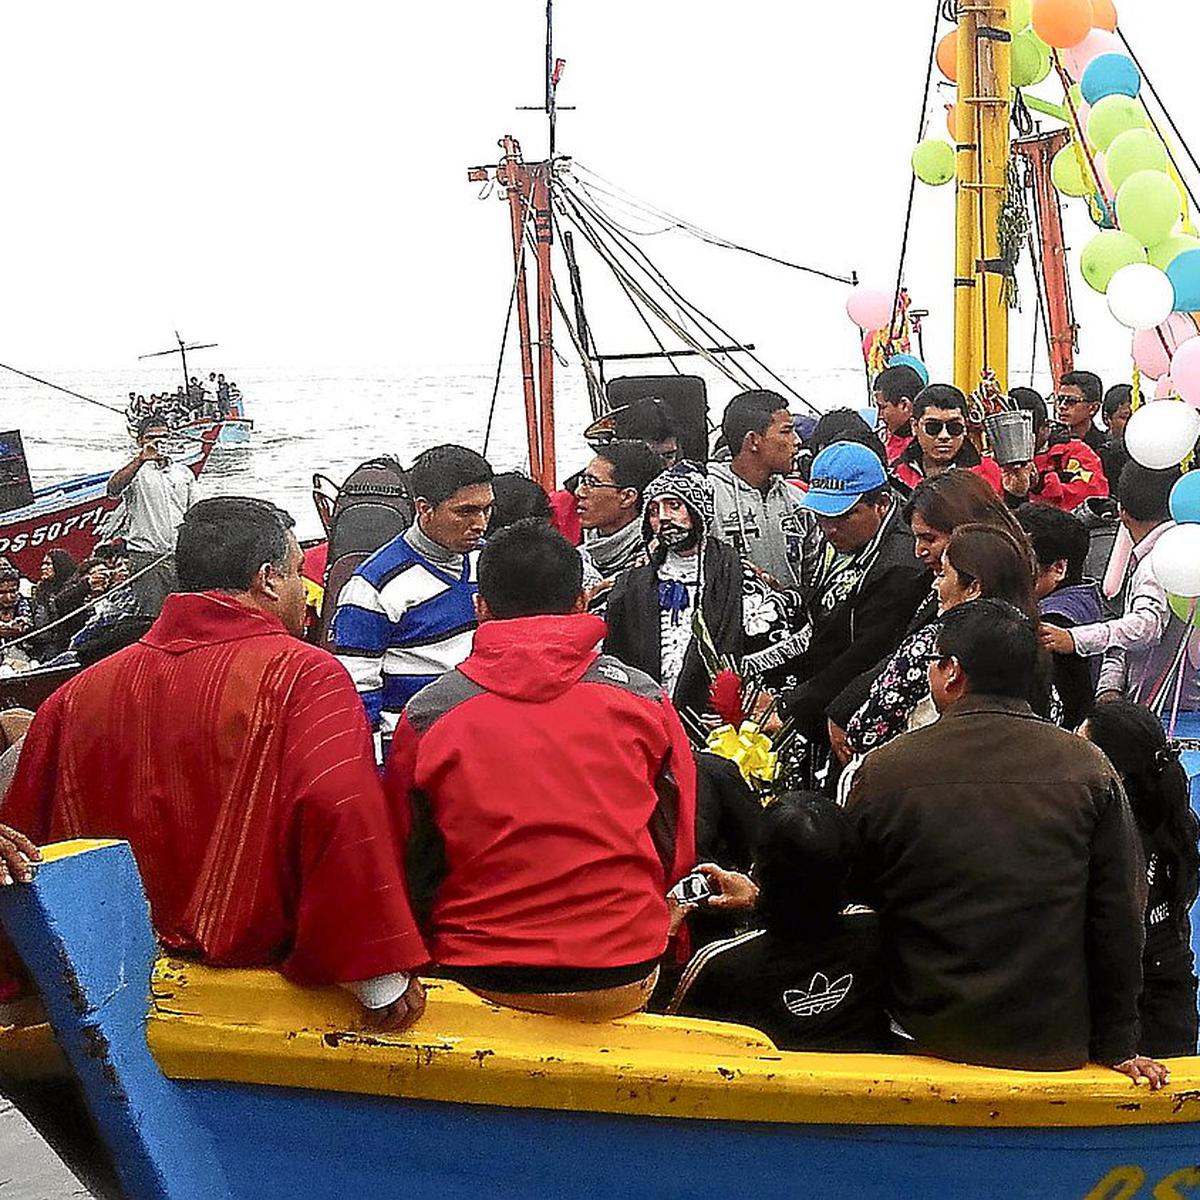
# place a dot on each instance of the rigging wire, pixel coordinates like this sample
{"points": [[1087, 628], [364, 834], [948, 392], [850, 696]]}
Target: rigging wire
{"points": [[60, 388], [922, 124], [698, 232]]}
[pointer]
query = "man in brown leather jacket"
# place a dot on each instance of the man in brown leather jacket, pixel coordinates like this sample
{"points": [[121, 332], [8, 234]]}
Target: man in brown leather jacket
{"points": [[1003, 859]]}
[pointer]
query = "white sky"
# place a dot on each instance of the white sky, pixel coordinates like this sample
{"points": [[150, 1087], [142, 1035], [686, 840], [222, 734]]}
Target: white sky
{"points": [[290, 179]]}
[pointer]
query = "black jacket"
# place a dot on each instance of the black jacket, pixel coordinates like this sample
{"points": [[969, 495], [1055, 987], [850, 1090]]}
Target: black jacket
{"points": [[1004, 862], [861, 629], [634, 630]]}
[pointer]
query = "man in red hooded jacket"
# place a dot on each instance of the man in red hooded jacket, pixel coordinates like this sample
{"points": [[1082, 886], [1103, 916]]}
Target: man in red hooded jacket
{"points": [[553, 794]]}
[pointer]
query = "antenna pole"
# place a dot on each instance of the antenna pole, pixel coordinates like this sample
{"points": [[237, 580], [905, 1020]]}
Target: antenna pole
{"points": [[183, 355], [551, 85]]}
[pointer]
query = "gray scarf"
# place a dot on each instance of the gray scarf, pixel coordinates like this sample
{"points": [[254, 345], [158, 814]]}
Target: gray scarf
{"points": [[614, 553]]}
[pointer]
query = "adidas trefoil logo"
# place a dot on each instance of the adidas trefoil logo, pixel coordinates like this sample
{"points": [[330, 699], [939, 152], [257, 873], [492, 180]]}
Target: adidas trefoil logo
{"points": [[820, 997]]}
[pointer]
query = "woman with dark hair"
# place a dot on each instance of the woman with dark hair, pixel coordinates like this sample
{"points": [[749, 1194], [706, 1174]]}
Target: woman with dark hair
{"points": [[979, 561], [59, 570], [1157, 787]]}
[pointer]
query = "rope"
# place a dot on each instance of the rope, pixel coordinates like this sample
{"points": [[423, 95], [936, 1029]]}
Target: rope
{"points": [[86, 606], [580, 349], [59, 388], [912, 183]]}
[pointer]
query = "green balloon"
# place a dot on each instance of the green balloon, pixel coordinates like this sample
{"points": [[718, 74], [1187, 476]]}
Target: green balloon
{"points": [[1106, 254], [1185, 608], [1148, 206], [1020, 14], [1171, 248], [1111, 117], [933, 161], [1068, 175], [1076, 94], [1030, 59], [1132, 151]]}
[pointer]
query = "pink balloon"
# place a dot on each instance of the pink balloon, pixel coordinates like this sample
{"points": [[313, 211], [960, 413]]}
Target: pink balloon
{"points": [[1165, 389], [1154, 348], [1098, 42], [1185, 371], [870, 308]]}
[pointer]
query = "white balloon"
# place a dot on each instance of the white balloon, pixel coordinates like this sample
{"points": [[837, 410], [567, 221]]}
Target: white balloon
{"points": [[1162, 433], [1140, 296], [1176, 559]]}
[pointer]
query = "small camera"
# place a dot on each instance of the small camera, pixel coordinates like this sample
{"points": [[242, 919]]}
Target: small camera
{"points": [[692, 889]]}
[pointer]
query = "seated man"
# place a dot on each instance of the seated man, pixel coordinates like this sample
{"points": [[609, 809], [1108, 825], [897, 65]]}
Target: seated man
{"points": [[553, 793], [1004, 863], [811, 978], [236, 761]]}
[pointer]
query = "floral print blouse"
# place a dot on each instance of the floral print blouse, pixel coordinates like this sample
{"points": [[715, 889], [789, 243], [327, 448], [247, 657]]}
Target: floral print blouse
{"points": [[898, 690]]}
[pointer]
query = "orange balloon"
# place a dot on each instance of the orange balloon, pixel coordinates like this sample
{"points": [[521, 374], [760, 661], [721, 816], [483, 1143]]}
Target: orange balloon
{"points": [[1104, 15], [952, 121], [947, 56], [1062, 23]]}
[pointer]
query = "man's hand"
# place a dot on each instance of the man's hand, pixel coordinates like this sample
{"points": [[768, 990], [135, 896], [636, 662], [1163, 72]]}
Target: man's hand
{"points": [[402, 1012], [1145, 1070], [17, 856], [774, 723], [149, 453], [839, 743], [1018, 478], [735, 892], [1056, 640], [1109, 696]]}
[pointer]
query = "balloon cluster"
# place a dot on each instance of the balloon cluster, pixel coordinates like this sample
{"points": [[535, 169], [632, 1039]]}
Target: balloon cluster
{"points": [[1177, 554]]}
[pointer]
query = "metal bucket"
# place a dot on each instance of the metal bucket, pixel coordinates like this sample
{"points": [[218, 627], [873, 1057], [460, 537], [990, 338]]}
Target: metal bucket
{"points": [[1011, 436]]}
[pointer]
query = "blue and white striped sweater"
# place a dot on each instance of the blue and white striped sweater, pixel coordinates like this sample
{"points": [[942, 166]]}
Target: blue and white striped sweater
{"points": [[401, 622]]}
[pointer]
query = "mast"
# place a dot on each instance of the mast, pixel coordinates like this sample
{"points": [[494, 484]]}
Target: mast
{"points": [[984, 82]]}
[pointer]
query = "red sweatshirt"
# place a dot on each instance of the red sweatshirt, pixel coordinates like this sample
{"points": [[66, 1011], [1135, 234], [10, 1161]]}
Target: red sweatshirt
{"points": [[562, 787]]}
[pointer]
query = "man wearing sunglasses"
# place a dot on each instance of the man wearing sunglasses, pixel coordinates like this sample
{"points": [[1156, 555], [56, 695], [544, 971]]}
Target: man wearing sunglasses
{"points": [[939, 418], [1080, 394]]}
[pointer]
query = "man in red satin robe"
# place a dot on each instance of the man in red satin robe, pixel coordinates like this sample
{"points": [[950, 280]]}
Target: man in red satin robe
{"points": [[237, 762]]}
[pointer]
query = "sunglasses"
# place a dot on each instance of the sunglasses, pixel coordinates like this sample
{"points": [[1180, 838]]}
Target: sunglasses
{"points": [[932, 427], [1068, 401]]}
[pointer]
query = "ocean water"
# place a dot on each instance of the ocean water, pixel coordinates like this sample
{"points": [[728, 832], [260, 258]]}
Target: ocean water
{"points": [[327, 421]]}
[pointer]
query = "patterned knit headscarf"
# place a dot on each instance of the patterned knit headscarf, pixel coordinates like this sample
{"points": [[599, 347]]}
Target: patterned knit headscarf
{"points": [[685, 481]]}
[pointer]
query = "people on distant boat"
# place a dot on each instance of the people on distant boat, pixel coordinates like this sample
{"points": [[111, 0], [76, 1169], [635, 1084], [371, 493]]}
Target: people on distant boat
{"points": [[407, 614], [940, 444], [1142, 657], [1064, 472], [16, 611], [236, 760], [58, 571], [224, 395], [1156, 784], [610, 499], [552, 794], [757, 511], [809, 973], [1077, 404], [654, 610], [516, 497], [1003, 859], [893, 393], [157, 493], [1060, 545]]}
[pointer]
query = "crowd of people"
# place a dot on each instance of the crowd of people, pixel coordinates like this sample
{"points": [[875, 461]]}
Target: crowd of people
{"points": [[501, 774], [215, 397]]}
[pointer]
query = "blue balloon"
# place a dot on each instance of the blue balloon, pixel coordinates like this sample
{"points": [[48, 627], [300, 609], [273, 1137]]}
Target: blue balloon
{"points": [[910, 360], [1110, 75], [1184, 273], [1185, 499]]}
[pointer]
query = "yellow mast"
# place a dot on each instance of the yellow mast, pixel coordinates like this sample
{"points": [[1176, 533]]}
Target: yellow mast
{"points": [[984, 88]]}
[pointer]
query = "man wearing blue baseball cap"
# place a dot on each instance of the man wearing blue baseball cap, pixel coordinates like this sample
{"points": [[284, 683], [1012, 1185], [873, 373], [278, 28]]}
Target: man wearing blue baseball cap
{"points": [[869, 582]]}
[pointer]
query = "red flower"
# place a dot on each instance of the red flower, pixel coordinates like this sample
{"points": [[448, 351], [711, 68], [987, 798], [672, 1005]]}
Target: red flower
{"points": [[725, 696]]}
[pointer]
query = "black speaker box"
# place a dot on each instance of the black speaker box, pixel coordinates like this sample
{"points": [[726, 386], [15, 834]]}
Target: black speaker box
{"points": [[685, 399]]}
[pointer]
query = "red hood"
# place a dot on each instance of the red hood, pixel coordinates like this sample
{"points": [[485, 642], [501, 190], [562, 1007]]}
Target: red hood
{"points": [[190, 620], [533, 658]]}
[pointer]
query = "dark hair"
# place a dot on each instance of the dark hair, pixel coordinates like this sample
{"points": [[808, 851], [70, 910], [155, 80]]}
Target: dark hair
{"points": [[938, 395], [898, 383], [956, 498], [845, 425], [9, 574], [1031, 401], [996, 644], [441, 471], [1056, 535], [634, 464], [1157, 787], [518, 498], [993, 558], [644, 420], [153, 421], [750, 412], [65, 570], [1146, 494], [806, 850], [223, 543], [530, 570], [1118, 394], [1088, 382]]}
